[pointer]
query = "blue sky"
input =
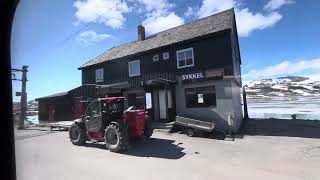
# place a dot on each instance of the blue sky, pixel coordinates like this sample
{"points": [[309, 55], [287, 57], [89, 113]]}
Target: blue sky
{"points": [[277, 37]]}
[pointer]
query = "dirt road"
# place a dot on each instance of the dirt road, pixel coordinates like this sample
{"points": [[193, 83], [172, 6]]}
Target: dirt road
{"points": [[44, 155]]}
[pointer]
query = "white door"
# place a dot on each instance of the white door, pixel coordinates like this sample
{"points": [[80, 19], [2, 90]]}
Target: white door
{"points": [[162, 104]]}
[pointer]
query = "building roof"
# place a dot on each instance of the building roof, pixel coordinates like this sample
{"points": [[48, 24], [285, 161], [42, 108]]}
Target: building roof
{"points": [[52, 96], [211, 24]]}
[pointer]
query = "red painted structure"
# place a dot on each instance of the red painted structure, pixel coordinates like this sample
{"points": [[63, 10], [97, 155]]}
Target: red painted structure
{"points": [[134, 119], [136, 122]]}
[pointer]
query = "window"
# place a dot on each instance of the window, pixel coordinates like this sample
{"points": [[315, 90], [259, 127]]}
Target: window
{"points": [[165, 55], [95, 108], [200, 97], [185, 58], [99, 75], [134, 68]]}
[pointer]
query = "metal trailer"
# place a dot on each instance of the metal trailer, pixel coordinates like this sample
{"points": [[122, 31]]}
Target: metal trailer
{"points": [[193, 125]]}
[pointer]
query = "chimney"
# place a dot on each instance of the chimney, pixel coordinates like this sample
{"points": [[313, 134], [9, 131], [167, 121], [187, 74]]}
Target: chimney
{"points": [[141, 33]]}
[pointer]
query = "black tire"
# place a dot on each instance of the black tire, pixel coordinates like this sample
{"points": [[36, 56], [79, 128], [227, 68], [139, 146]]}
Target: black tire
{"points": [[148, 129], [190, 132], [77, 134], [116, 138]]}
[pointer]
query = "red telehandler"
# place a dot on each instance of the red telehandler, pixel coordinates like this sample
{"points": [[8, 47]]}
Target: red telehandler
{"points": [[106, 120]]}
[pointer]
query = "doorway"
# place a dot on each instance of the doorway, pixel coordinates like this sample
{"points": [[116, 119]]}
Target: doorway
{"points": [[162, 103]]}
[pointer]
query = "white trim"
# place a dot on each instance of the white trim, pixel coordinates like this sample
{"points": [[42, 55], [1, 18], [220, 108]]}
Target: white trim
{"points": [[132, 62], [155, 58], [163, 55], [183, 50], [96, 72]]}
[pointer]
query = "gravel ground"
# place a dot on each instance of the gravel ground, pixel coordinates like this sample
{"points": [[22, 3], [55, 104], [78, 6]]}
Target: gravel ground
{"points": [[42, 154]]}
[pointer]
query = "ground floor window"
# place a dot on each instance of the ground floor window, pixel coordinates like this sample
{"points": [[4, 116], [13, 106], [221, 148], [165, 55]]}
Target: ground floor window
{"points": [[200, 97]]}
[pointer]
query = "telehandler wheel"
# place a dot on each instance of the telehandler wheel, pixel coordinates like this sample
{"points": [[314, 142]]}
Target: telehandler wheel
{"points": [[148, 129], [116, 138], [77, 134]]}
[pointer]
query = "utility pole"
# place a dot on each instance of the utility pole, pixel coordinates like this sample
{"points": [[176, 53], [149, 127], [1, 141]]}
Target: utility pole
{"points": [[23, 101]]}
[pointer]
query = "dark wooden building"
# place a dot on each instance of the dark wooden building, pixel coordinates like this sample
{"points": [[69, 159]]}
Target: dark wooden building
{"points": [[190, 70], [67, 105]]}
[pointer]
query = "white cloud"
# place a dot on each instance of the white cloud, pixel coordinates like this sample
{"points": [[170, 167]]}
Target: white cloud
{"points": [[154, 24], [189, 12], [284, 68], [159, 15], [209, 7], [96, 11], [152, 5], [247, 21], [91, 36], [276, 4]]}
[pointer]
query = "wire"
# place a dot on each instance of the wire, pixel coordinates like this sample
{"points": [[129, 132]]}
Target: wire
{"points": [[84, 27]]}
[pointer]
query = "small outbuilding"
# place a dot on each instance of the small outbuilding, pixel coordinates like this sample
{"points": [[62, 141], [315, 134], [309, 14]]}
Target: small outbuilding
{"points": [[65, 106]]}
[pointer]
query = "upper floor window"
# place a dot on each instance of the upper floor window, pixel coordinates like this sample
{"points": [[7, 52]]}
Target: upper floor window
{"points": [[185, 58], [99, 75], [165, 55], [134, 68]]}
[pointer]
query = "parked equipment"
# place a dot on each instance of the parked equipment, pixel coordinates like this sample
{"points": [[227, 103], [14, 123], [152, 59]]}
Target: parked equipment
{"points": [[107, 120], [192, 125]]}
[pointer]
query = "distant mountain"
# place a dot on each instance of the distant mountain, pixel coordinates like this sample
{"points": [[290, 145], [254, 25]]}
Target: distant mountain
{"points": [[288, 86]]}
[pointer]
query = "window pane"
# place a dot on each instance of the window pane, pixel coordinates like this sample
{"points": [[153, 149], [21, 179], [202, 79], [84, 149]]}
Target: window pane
{"points": [[188, 54], [95, 108], [181, 55], [99, 75], [189, 61], [134, 68], [182, 63]]}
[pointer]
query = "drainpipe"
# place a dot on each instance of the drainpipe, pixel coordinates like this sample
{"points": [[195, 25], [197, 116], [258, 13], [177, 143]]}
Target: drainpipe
{"points": [[230, 118], [245, 107], [166, 96]]}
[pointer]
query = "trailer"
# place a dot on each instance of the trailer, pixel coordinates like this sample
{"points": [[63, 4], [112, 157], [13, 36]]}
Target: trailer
{"points": [[192, 125]]}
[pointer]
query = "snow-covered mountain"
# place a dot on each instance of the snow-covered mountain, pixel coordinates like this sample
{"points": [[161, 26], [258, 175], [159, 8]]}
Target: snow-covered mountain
{"points": [[288, 86]]}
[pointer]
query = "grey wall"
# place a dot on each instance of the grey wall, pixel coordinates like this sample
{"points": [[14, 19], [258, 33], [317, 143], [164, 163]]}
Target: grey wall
{"points": [[237, 107], [227, 103]]}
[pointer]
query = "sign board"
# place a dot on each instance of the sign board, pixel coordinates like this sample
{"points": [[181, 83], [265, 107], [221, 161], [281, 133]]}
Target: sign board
{"points": [[208, 74], [200, 98], [18, 93], [192, 76], [212, 73], [148, 101]]}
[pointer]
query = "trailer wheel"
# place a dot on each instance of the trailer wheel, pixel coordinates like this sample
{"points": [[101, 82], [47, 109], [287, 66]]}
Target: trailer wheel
{"points": [[116, 138], [77, 134], [190, 132]]}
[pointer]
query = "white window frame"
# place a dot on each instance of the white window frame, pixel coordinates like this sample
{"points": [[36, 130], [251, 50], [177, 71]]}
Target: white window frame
{"points": [[132, 62], [167, 57], [99, 75], [183, 50]]}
